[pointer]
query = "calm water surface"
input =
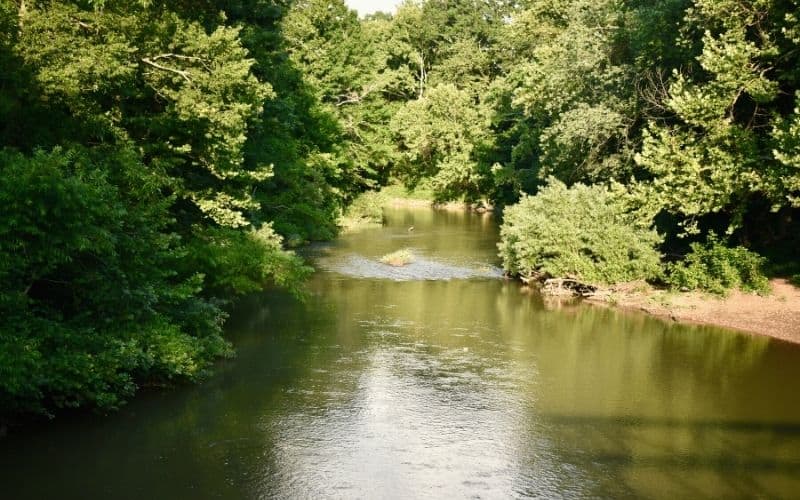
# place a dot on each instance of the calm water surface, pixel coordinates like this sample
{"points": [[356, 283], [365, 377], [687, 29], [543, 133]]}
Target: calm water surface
{"points": [[439, 381]]}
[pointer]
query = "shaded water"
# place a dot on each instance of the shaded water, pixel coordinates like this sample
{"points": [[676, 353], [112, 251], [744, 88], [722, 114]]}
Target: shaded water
{"points": [[445, 382]]}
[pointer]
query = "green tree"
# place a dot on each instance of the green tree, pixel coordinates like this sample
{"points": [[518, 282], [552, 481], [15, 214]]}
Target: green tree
{"points": [[135, 73], [716, 158], [438, 135], [133, 188], [90, 303]]}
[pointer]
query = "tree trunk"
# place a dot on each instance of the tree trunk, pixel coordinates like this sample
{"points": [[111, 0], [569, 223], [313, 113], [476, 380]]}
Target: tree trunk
{"points": [[21, 13], [422, 75]]}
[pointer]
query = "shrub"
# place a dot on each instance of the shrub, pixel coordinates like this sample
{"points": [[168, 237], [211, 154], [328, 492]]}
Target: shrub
{"points": [[585, 232], [236, 262], [716, 268]]}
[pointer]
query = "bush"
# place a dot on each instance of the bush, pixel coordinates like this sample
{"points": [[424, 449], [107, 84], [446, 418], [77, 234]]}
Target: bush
{"points": [[583, 232], [716, 268], [236, 262]]}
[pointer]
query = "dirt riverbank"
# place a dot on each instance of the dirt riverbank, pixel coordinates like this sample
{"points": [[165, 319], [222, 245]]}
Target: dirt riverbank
{"points": [[776, 315]]}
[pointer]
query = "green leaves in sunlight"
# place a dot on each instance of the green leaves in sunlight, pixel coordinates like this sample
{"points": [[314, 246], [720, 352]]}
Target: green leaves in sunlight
{"points": [[145, 148], [588, 233]]}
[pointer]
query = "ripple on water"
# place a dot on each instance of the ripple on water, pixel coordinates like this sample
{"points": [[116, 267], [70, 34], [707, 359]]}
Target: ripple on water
{"points": [[421, 269]]}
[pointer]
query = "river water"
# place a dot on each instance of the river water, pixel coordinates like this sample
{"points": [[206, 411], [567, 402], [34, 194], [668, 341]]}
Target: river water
{"points": [[440, 380]]}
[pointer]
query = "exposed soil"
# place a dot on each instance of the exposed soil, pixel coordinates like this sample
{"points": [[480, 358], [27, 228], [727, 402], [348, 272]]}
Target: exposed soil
{"points": [[776, 315]]}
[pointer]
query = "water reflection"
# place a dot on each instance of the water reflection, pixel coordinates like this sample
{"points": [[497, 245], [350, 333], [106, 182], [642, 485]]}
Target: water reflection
{"points": [[427, 389]]}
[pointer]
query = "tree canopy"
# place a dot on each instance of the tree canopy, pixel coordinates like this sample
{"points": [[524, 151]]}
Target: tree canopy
{"points": [[154, 156]]}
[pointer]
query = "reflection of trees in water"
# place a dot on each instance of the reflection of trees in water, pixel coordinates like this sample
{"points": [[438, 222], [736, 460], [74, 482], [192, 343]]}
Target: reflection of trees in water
{"points": [[229, 430], [658, 409], [436, 390], [674, 458], [595, 402], [610, 362]]}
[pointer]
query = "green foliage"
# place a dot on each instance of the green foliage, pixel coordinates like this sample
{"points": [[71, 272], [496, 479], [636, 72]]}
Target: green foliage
{"points": [[240, 262], [438, 134], [326, 41], [575, 89], [420, 193], [90, 305], [786, 136], [714, 155], [148, 151], [588, 233], [185, 95], [715, 268]]}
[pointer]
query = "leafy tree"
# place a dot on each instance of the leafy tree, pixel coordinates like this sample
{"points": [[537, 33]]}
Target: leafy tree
{"points": [[576, 90], [135, 73], [90, 304], [717, 157], [136, 189], [438, 134], [348, 66]]}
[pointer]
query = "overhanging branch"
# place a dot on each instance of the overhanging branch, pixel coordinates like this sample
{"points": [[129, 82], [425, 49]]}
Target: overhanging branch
{"points": [[182, 73]]}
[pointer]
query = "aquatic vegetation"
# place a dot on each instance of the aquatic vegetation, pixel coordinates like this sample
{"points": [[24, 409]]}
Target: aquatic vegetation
{"points": [[399, 258]]}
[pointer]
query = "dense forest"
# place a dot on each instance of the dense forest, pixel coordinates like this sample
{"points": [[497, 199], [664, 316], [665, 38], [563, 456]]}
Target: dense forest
{"points": [[158, 159]]}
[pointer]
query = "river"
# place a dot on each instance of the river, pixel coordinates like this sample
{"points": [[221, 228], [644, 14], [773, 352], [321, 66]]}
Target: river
{"points": [[440, 380]]}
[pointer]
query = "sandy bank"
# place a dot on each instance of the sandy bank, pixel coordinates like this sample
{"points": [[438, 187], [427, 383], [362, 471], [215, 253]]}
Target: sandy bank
{"points": [[776, 315]]}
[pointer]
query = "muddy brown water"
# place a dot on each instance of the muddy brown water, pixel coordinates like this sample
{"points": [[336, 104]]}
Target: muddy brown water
{"points": [[440, 380]]}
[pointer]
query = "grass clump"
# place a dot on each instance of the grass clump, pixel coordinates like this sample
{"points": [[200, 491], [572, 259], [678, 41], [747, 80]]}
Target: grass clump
{"points": [[399, 258], [589, 233], [715, 268]]}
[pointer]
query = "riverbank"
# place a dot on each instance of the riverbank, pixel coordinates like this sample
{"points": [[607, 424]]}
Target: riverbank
{"points": [[776, 315]]}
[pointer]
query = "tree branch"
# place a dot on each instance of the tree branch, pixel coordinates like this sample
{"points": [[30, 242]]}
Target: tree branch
{"points": [[170, 55], [82, 24], [184, 74]]}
